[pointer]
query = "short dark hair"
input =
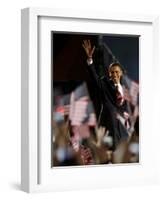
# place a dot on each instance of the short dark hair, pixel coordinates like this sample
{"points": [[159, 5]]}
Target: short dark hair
{"points": [[115, 64]]}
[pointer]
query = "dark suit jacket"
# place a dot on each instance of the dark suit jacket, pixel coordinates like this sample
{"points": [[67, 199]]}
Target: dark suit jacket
{"points": [[110, 110]]}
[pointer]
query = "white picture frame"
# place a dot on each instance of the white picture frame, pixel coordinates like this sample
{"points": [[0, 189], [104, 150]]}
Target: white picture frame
{"points": [[36, 171]]}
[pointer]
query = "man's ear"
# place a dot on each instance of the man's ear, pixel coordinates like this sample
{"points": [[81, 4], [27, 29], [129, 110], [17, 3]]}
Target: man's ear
{"points": [[121, 72], [109, 73]]}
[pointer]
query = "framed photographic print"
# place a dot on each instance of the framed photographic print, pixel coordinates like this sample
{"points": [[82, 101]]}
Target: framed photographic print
{"points": [[87, 114]]}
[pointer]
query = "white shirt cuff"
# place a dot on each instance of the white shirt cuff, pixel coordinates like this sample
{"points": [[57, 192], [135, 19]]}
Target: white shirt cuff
{"points": [[89, 61]]}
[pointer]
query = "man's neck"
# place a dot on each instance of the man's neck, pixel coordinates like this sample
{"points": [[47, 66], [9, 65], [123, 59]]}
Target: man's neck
{"points": [[117, 83]]}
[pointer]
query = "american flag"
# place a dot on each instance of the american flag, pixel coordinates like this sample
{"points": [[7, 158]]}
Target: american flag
{"points": [[91, 121], [81, 107], [86, 155], [77, 106], [82, 116], [78, 112], [131, 92], [134, 91]]}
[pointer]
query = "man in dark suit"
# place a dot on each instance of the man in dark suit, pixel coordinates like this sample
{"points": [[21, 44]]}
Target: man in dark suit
{"points": [[114, 114]]}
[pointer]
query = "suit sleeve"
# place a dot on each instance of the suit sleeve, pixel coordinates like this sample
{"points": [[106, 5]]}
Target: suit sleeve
{"points": [[93, 73]]}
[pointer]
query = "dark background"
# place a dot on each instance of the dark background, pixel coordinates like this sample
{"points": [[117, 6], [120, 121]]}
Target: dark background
{"points": [[69, 59]]}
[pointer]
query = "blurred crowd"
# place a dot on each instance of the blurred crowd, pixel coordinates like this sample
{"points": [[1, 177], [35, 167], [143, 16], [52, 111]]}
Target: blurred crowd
{"points": [[78, 138]]}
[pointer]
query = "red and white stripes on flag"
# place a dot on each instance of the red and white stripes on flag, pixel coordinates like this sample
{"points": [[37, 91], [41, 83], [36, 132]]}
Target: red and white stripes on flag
{"points": [[92, 119], [134, 91], [78, 109], [77, 106], [81, 111]]}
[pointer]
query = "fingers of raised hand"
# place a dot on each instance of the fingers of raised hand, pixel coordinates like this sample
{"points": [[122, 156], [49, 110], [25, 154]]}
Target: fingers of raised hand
{"points": [[87, 47], [93, 49]]}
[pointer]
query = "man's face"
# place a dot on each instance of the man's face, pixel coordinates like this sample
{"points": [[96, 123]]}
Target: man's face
{"points": [[115, 73]]}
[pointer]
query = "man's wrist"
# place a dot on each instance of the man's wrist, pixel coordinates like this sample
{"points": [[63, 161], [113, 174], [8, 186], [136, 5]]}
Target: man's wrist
{"points": [[89, 61]]}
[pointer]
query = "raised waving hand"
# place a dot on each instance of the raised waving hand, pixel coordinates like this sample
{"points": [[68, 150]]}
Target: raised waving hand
{"points": [[89, 50]]}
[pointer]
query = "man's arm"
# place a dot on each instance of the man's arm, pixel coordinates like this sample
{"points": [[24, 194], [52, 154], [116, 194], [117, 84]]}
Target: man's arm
{"points": [[89, 50], [92, 70]]}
